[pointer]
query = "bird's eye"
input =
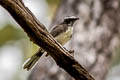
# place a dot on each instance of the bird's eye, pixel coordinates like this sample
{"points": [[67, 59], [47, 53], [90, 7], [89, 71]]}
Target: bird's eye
{"points": [[70, 23]]}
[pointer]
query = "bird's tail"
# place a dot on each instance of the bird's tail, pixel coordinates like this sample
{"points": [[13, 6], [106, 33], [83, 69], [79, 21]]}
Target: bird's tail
{"points": [[30, 62]]}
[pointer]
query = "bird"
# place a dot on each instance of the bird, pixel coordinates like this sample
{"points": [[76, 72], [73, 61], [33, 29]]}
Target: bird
{"points": [[62, 33]]}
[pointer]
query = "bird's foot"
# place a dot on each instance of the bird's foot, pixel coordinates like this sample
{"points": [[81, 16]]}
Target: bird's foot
{"points": [[71, 52]]}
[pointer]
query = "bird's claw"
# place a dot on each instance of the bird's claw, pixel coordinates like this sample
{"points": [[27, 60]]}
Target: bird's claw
{"points": [[71, 52]]}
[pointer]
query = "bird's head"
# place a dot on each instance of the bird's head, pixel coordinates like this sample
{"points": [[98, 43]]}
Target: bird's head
{"points": [[70, 20]]}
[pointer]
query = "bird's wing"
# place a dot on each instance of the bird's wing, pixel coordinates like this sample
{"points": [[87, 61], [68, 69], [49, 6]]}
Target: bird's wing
{"points": [[58, 30]]}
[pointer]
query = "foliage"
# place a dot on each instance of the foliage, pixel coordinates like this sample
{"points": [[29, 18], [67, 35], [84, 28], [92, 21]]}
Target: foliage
{"points": [[9, 33]]}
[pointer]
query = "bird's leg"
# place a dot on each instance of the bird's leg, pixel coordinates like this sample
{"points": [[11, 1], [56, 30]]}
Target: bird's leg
{"points": [[70, 51]]}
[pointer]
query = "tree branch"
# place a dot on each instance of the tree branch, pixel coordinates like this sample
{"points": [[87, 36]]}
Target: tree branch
{"points": [[39, 35]]}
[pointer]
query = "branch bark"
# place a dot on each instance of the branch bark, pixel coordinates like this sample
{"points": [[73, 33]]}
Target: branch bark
{"points": [[97, 33], [95, 38], [39, 35]]}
